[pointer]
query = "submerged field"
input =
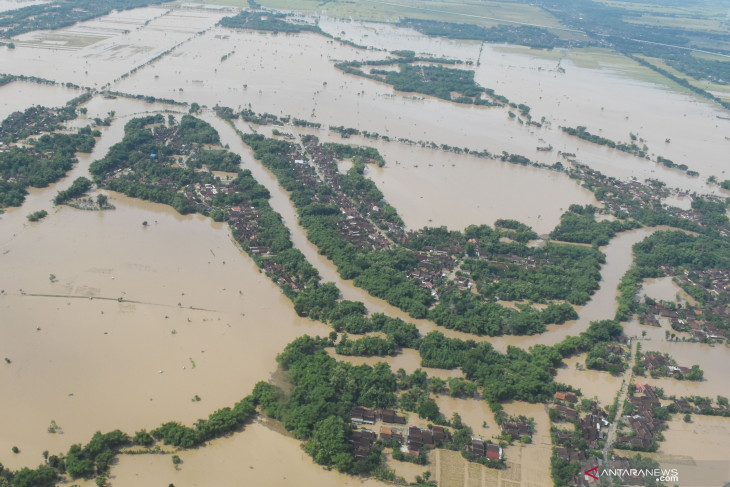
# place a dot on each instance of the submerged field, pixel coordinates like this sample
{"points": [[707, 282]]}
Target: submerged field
{"points": [[121, 318]]}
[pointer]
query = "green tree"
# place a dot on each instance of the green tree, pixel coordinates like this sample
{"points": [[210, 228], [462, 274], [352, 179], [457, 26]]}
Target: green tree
{"points": [[102, 200], [328, 441]]}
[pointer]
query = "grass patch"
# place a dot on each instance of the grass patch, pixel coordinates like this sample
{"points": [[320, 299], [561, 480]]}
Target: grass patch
{"points": [[491, 11]]}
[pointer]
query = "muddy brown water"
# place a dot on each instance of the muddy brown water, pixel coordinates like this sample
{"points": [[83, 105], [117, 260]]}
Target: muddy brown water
{"points": [[664, 288], [195, 308], [296, 86], [257, 456], [19, 95], [245, 320]]}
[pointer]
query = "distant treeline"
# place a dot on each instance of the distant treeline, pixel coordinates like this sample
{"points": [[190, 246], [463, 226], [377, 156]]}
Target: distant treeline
{"points": [[611, 25], [270, 21], [432, 79], [525, 35], [58, 14]]}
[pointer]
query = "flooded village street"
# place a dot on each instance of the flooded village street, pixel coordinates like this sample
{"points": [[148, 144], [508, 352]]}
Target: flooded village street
{"points": [[121, 318]]}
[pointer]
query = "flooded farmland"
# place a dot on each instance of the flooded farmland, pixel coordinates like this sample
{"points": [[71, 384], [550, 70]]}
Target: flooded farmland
{"points": [[111, 323], [71, 341]]}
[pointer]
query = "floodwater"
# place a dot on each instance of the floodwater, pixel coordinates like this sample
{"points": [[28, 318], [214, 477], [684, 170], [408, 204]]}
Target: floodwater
{"points": [[602, 305], [664, 288], [458, 190], [686, 445], [294, 74], [712, 359], [592, 383], [474, 412], [257, 456], [98, 51], [706, 437], [408, 360], [197, 316], [529, 463], [194, 307], [13, 4], [19, 95], [681, 202]]}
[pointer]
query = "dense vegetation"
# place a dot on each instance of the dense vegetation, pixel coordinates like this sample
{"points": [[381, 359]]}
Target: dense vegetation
{"points": [[518, 374], [37, 215], [535, 37], [467, 312], [43, 161], [217, 160], [579, 225], [261, 20], [379, 272], [80, 186], [582, 133], [318, 408], [219, 423], [434, 79], [674, 248]]}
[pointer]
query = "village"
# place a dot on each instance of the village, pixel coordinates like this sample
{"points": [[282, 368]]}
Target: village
{"points": [[174, 171], [638, 200], [700, 323], [410, 440]]}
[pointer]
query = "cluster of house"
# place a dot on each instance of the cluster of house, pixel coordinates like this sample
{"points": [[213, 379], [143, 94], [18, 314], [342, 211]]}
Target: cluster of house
{"points": [[662, 364], [206, 192], [480, 448], [593, 425], [412, 439], [623, 196], [701, 405], [356, 228], [629, 196], [566, 412], [691, 319], [516, 429], [644, 425], [433, 265], [34, 120]]}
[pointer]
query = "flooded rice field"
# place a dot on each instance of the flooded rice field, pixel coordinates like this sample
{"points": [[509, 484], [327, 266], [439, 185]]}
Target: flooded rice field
{"points": [[96, 52], [593, 383], [261, 68], [434, 188], [110, 323], [19, 95], [195, 317], [6, 5]]}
